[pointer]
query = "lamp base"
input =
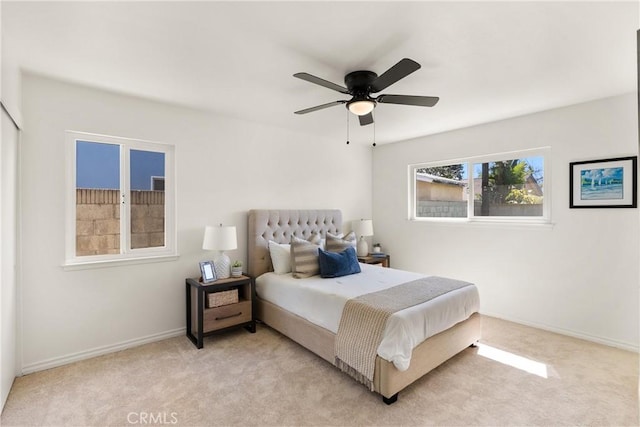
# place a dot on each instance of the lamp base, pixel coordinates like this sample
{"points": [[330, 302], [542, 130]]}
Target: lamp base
{"points": [[222, 264], [363, 247]]}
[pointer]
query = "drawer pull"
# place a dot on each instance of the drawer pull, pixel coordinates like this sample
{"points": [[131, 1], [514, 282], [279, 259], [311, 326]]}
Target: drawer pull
{"points": [[229, 317]]}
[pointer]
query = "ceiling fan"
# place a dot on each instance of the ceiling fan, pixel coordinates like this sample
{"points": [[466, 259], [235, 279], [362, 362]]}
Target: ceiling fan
{"points": [[361, 84]]}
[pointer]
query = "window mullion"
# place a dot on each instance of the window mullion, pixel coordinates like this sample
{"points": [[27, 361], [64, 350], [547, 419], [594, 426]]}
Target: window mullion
{"points": [[125, 200], [471, 192]]}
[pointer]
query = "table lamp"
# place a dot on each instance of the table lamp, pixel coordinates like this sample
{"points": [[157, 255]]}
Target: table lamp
{"points": [[362, 228], [220, 238]]}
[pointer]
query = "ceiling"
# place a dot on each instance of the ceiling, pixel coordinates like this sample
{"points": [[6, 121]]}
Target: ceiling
{"points": [[485, 60]]}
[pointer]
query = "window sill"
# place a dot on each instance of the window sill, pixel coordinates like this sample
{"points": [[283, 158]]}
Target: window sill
{"points": [[488, 223], [86, 265]]}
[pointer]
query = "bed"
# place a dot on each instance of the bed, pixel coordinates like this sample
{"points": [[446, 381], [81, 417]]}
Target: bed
{"points": [[320, 338]]}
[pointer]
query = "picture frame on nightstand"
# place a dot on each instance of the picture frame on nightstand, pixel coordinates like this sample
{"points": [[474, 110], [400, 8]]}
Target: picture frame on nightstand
{"points": [[208, 272]]}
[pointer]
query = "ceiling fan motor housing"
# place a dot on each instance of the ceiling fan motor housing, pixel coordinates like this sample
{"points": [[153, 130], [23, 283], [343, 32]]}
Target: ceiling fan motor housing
{"points": [[359, 82]]}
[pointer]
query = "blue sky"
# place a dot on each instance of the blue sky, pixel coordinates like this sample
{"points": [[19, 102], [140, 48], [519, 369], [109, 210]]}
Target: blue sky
{"points": [[144, 165], [98, 166]]}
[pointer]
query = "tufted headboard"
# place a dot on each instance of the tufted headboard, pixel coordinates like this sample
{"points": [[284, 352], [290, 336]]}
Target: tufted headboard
{"points": [[279, 226]]}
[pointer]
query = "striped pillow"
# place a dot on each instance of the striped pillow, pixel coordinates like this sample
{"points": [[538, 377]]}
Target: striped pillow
{"points": [[304, 258], [315, 239], [337, 244]]}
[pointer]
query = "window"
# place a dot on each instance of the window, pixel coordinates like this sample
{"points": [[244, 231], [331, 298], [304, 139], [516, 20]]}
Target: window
{"points": [[508, 187], [441, 191], [120, 199]]}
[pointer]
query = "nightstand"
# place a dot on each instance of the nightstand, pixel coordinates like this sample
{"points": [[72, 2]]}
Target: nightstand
{"points": [[205, 316], [385, 260]]}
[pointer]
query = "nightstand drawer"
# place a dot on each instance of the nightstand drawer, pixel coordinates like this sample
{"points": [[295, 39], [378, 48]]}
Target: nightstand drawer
{"points": [[227, 315]]}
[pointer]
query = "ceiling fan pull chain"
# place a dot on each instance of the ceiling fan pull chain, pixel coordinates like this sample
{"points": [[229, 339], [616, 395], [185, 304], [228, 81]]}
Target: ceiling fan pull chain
{"points": [[347, 127], [374, 130]]}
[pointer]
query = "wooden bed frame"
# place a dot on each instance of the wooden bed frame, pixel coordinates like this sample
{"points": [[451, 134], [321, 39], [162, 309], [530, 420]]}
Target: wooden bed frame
{"points": [[279, 226]]}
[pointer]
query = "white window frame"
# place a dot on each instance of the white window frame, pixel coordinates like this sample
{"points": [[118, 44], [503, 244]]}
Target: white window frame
{"points": [[544, 152], [126, 255]]}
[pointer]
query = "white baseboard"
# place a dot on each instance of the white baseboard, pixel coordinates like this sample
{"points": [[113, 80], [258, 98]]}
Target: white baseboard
{"points": [[581, 335], [99, 351]]}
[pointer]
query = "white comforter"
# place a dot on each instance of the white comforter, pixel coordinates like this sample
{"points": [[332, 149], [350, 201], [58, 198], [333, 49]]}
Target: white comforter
{"points": [[321, 301]]}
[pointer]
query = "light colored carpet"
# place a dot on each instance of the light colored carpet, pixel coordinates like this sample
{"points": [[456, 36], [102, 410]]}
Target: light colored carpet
{"points": [[244, 379]]}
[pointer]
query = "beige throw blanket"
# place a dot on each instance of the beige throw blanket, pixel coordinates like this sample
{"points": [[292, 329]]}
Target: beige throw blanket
{"points": [[364, 319]]}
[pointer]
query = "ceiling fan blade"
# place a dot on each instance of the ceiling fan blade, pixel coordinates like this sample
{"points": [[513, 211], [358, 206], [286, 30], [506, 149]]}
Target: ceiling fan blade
{"points": [[399, 71], [322, 82], [420, 101], [367, 119], [319, 107]]}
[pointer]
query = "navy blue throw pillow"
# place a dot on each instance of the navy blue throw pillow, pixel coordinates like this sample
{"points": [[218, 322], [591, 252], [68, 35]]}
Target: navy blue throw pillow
{"points": [[338, 264]]}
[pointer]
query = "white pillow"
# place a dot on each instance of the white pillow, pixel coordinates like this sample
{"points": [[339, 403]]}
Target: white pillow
{"points": [[280, 257]]}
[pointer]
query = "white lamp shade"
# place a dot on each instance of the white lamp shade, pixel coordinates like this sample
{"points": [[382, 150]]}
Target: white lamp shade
{"points": [[362, 107], [363, 227], [219, 238]]}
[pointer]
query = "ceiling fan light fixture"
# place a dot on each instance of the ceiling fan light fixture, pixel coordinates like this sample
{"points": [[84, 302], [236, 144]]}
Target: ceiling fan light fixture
{"points": [[361, 107]]}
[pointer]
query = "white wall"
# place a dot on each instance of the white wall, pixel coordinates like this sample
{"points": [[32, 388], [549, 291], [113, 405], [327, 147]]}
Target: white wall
{"points": [[9, 95], [224, 168], [579, 277], [9, 75], [8, 253]]}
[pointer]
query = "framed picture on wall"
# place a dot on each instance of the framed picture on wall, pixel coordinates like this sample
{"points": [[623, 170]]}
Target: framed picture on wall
{"points": [[208, 272], [606, 183]]}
